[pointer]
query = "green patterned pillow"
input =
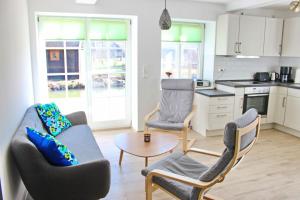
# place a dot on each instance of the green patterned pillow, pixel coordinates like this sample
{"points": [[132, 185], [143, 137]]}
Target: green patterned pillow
{"points": [[52, 118]]}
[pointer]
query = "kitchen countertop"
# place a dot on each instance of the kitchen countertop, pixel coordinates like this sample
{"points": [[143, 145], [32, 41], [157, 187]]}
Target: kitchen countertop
{"points": [[251, 83], [214, 93]]}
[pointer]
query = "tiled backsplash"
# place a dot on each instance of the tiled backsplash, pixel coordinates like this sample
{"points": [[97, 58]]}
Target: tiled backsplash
{"points": [[243, 68]]}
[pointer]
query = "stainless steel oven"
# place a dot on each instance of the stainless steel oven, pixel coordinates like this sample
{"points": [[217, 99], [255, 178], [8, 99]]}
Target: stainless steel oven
{"points": [[258, 98]]}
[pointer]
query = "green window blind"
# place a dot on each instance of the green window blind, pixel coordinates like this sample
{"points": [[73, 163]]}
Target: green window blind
{"points": [[99, 29], [65, 28], [184, 32], [62, 28]]}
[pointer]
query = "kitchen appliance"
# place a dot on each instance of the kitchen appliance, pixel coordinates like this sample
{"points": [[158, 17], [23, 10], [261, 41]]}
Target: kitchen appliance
{"points": [[286, 74], [274, 76], [258, 98], [199, 83], [262, 76]]}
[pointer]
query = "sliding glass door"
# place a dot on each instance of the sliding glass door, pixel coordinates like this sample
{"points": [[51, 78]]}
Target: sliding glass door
{"points": [[88, 68]]}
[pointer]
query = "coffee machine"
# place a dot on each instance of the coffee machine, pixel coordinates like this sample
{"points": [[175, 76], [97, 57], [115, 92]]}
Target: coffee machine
{"points": [[286, 74]]}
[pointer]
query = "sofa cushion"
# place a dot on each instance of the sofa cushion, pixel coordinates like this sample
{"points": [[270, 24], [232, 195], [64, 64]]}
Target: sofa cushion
{"points": [[54, 151], [81, 142], [52, 118]]}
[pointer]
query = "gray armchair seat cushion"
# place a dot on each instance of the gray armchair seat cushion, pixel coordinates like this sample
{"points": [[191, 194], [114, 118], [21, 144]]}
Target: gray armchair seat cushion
{"points": [[165, 125], [89, 180], [181, 164], [176, 99]]}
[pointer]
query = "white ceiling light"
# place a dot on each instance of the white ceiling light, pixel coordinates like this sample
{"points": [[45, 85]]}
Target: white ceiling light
{"points": [[89, 2]]}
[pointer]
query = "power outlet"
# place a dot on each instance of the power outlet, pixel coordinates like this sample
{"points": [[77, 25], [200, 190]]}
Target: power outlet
{"points": [[221, 70]]}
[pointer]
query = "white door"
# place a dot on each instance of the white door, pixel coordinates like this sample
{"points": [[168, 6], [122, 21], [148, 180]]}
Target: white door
{"points": [[109, 91], [273, 37], [251, 37]]}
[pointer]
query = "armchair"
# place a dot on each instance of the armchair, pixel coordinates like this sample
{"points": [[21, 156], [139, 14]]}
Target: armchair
{"points": [[186, 179], [175, 110]]}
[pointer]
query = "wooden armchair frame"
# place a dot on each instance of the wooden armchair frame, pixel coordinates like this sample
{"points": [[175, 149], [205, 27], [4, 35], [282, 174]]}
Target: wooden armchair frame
{"points": [[186, 143], [205, 186]]}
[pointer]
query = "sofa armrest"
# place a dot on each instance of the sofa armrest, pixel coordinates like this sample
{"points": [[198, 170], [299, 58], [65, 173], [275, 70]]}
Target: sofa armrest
{"points": [[77, 118], [84, 181]]}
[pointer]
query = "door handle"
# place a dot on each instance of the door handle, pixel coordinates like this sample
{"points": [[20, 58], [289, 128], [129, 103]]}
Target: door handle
{"points": [[283, 101], [239, 47], [280, 49], [241, 103], [236, 48]]}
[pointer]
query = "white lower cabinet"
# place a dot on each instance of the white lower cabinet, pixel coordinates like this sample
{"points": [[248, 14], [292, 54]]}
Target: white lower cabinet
{"points": [[292, 110], [212, 113], [277, 105]]}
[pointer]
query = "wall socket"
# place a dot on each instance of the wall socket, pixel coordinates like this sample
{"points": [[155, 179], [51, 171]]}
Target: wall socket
{"points": [[221, 70]]}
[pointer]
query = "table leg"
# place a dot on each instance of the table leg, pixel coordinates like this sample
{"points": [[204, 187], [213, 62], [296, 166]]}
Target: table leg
{"points": [[146, 161], [121, 157]]}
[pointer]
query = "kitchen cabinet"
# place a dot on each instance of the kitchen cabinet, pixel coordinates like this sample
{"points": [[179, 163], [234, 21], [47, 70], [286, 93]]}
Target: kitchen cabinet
{"points": [[212, 113], [251, 36], [277, 105], [227, 38], [292, 109], [291, 32], [273, 37], [240, 35]]}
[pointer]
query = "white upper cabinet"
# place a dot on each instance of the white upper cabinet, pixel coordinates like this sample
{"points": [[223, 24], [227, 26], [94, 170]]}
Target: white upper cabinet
{"points": [[227, 35], [273, 37], [291, 33], [251, 36], [248, 35]]}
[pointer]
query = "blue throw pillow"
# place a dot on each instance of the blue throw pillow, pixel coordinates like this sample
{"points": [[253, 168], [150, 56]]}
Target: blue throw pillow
{"points": [[55, 152], [53, 120]]}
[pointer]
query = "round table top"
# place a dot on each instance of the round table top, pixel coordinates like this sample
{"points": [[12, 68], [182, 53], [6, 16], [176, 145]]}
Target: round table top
{"points": [[133, 143]]}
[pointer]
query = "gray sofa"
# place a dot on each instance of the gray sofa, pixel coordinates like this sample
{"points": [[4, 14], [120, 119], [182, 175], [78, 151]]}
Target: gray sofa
{"points": [[89, 180]]}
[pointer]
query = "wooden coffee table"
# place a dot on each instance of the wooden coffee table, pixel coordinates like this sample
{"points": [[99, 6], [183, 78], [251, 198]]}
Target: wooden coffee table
{"points": [[133, 143]]}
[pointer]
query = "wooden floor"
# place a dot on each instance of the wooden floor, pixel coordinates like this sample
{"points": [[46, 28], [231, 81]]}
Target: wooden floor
{"points": [[270, 171]]}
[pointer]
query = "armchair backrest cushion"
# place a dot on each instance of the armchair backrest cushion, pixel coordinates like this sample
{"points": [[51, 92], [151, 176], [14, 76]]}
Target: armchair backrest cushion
{"points": [[229, 141], [176, 99]]}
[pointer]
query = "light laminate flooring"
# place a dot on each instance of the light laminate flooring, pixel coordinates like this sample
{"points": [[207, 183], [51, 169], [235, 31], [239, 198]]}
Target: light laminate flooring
{"points": [[271, 170]]}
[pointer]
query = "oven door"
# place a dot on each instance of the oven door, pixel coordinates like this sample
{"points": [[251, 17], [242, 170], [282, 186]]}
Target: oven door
{"points": [[258, 101]]}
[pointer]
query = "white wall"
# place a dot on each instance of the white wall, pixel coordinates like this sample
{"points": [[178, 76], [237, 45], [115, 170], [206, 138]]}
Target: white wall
{"points": [[16, 86], [148, 13]]}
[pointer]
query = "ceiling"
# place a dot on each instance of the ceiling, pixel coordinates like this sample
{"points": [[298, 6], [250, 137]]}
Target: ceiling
{"points": [[233, 5]]}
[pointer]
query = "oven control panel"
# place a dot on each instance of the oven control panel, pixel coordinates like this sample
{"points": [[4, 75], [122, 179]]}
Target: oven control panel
{"points": [[257, 90]]}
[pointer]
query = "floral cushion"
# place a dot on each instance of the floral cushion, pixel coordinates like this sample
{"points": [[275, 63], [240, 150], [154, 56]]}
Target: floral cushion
{"points": [[54, 151], [53, 120]]}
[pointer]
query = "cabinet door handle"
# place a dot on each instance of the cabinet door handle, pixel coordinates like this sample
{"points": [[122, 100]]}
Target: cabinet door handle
{"points": [[283, 101], [241, 103], [224, 115], [236, 47], [239, 48], [280, 49]]}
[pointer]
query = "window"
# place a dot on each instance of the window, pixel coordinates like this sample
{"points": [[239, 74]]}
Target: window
{"points": [[64, 72], [182, 51]]}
